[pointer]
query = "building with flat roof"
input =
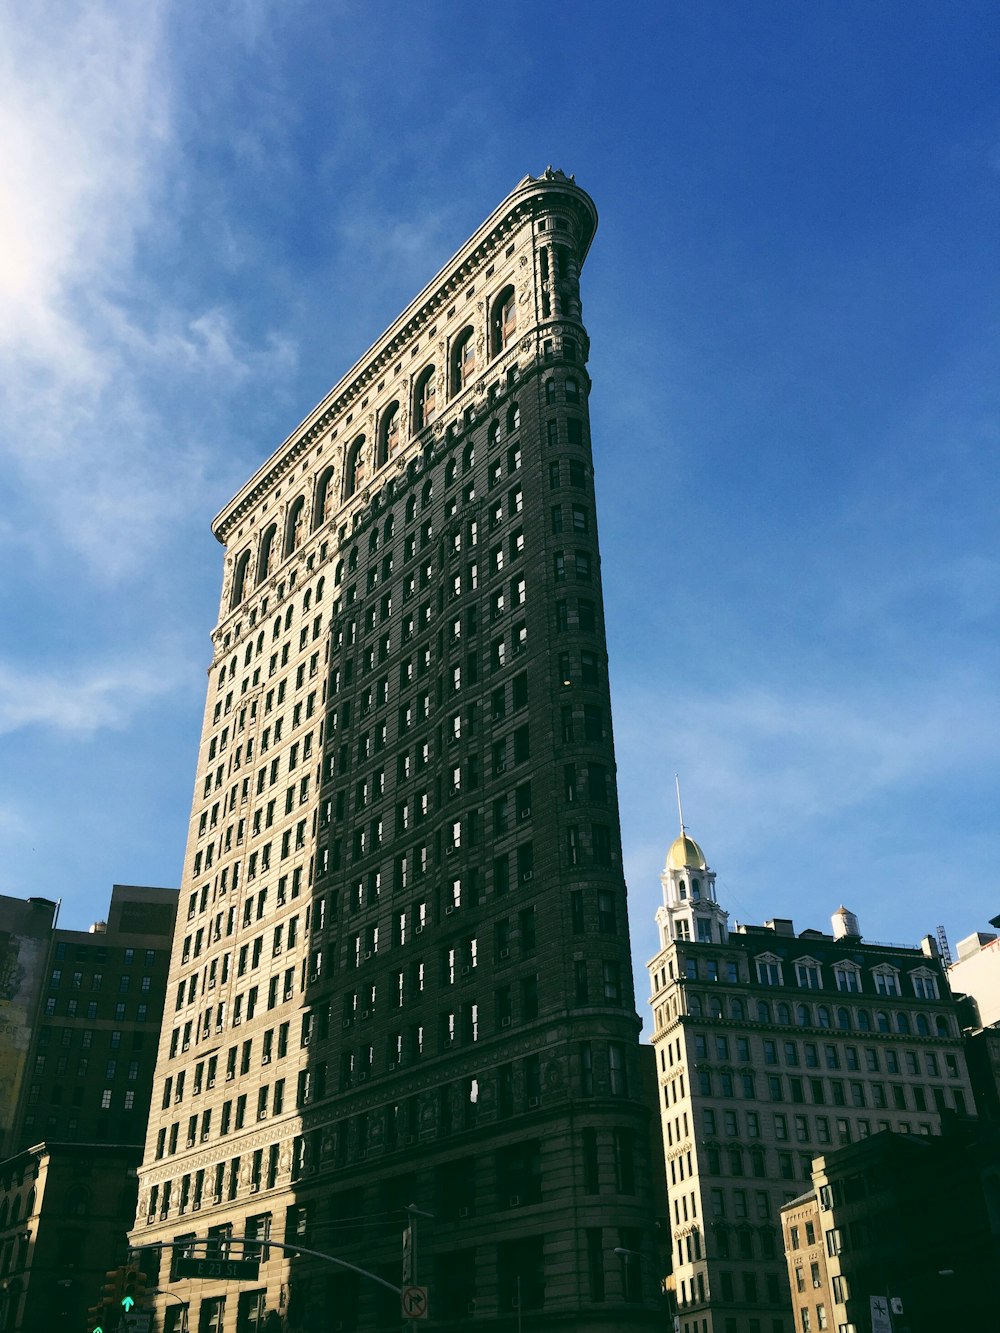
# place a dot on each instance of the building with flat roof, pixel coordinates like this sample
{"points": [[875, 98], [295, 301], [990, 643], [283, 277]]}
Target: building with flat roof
{"points": [[912, 1223], [402, 975], [84, 1008], [774, 1047]]}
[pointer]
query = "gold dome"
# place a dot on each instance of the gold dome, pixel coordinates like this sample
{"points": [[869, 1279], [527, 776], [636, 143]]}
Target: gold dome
{"points": [[685, 854]]}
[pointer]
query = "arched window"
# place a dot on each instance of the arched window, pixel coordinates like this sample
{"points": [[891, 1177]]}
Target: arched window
{"points": [[923, 1027], [714, 1007], [260, 642], [802, 1015], [338, 574], [864, 1021], [424, 399], [239, 579], [293, 524], [493, 434], [694, 1005], [784, 1013], [468, 457], [550, 391], [503, 321], [352, 560], [373, 541], [682, 891], [513, 418], [451, 468], [307, 599], [319, 590], [411, 508], [354, 471], [823, 1015], [4, 1206], [572, 391], [763, 1011], [388, 528], [388, 434], [882, 1021], [323, 501], [738, 1009], [844, 1019], [264, 556], [941, 1023], [696, 889], [427, 494], [903, 1024], [276, 627], [463, 359]]}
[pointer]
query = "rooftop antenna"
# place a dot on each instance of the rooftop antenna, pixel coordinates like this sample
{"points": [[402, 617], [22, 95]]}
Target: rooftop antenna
{"points": [[680, 808]]}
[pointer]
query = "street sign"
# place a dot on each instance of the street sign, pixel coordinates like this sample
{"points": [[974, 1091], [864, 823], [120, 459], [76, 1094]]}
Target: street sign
{"points": [[137, 1321], [224, 1268], [414, 1302], [881, 1319]]}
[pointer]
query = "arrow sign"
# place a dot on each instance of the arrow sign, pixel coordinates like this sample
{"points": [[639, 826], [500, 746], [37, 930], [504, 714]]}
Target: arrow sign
{"points": [[414, 1302], [127, 1303]]}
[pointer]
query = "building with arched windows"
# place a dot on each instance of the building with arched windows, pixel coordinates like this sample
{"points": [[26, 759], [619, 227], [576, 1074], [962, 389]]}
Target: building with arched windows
{"points": [[402, 974], [774, 1048]]}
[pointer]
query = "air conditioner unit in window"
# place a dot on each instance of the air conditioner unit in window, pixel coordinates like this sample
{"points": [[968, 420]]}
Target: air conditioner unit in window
{"points": [[504, 953], [466, 970], [254, 1186], [196, 1205], [418, 930], [527, 875], [505, 1021], [524, 812], [265, 1059], [368, 954], [533, 1102], [211, 1082], [514, 1201], [361, 1077], [314, 977], [261, 1115], [463, 1212], [366, 1013], [346, 1023]]}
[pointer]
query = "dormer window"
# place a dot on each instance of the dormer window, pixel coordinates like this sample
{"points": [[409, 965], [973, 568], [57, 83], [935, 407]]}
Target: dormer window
{"points": [[886, 980], [769, 970], [847, 977], [807, 973], [925, 986]]}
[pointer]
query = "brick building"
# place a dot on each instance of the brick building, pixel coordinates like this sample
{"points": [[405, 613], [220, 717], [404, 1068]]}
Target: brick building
{"points": [[403, 974], [89, 1005]]}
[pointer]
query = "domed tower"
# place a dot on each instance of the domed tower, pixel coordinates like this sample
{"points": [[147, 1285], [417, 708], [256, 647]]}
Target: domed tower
{"points": [[690, 910]]}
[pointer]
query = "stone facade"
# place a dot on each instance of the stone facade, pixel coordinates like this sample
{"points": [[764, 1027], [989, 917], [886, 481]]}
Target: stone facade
{"points": [[771, 1047], [402, 975]]}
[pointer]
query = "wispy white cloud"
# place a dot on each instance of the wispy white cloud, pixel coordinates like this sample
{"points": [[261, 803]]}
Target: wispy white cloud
{"points": [[78, 703], [95, 358]]}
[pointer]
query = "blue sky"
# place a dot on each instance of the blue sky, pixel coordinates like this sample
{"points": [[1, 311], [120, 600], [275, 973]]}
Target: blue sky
{"points": [[208, 212]]}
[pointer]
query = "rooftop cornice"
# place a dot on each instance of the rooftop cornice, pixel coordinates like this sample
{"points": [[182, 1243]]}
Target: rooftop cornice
{"points": [[529, 197]]}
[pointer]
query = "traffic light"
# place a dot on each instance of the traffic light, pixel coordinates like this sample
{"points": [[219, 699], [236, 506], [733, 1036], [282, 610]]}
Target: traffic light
{"points": [[129, 1287], [95, 1319], [140, 1287], [111, 1293]]}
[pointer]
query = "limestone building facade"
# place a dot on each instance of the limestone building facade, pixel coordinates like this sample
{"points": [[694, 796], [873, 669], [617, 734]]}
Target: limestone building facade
{"points": [[402, 971], [773, 1048]]}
